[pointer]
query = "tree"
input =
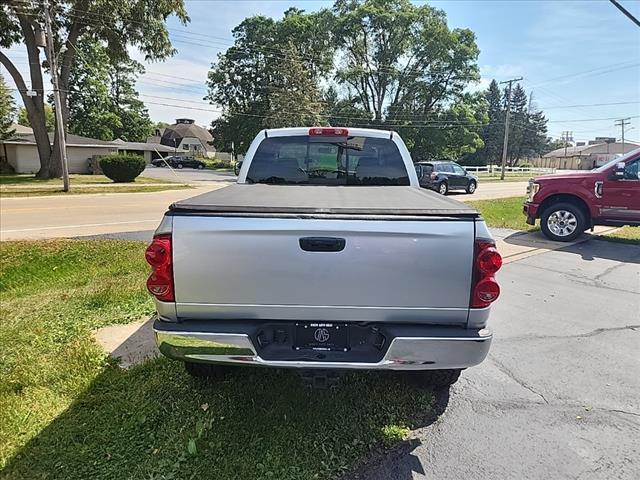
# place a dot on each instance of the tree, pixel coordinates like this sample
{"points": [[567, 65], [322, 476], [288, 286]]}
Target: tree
{"points": [[119, 24], [518, 123], [401, 59], [7, 111], [295, 97], [242, 79], [103, 101], [49, 117], [493, 132]]}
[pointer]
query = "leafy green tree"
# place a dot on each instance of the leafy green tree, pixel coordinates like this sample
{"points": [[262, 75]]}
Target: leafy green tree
{"points": [[242, 79], [401, 58], [120, 24], [49, 117], [295, 98], [7, 111]]}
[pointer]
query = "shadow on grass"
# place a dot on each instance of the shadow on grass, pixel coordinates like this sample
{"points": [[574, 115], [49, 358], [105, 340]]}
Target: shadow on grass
{"points": [[585, 246], [154, 421]]}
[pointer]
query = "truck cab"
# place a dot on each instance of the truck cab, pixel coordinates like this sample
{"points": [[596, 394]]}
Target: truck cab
{"points": [[567, 204]]}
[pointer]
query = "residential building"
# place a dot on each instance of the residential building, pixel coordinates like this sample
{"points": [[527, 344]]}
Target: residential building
{"points": [[584, 157]]}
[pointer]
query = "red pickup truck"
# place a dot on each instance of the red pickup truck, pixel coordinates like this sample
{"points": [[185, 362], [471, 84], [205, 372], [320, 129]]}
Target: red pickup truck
{"points": [[569, 203]]}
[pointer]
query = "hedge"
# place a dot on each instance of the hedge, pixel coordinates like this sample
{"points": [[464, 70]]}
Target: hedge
{"points": [[122, 168]]}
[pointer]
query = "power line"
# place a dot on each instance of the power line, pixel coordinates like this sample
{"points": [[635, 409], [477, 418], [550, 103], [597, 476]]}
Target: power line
{"points": [[627, 13]]}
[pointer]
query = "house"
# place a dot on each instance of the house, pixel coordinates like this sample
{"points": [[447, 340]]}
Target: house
{"points": [[584, 157], [148, 150], [21, 153], [185, 136]]}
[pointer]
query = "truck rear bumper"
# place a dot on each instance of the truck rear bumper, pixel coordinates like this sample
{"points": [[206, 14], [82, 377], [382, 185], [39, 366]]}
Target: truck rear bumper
{"points": [[426, 348]]}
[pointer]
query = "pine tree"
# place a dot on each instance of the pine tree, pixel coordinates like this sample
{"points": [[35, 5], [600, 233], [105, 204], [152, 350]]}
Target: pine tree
{"points": [[493, 133], [7, 111], [295, 99], [517, 124]]}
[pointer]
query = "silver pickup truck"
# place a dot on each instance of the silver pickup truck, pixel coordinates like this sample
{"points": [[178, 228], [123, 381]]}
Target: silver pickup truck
{"points": [[325, 255]]}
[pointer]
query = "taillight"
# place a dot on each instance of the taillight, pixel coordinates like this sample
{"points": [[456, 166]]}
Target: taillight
{"points": [[328, 132], [487, 262], [159, 256]]}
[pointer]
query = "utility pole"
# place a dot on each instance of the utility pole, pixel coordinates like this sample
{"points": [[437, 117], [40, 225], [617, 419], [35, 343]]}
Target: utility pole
{"points": [[566, 138], [623, 122], [53, 67], [506, 125]]}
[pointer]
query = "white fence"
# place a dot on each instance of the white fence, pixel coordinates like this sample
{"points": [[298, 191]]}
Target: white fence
{"points": [[494, 171]]}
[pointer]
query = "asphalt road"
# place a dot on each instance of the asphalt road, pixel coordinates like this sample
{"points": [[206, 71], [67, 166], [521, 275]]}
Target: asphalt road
{"points": [[559, 394], [96, 213], [188, 175]]}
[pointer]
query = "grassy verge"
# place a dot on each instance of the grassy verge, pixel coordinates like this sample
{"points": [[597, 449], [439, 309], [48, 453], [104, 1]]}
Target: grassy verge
{"points": [[20, 185], [67, 412], [503, 213], [627, 234], [18, 179], [488, 179]]}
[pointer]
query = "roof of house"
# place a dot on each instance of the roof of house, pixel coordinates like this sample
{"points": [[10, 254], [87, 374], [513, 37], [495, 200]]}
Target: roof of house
{"points": [[179, 131], [72, 141], [145, 146], [584, 150], [21, 129]]}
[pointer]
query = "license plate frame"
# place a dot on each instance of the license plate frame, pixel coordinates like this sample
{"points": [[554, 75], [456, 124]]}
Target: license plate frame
{"points": [[321, 336]]}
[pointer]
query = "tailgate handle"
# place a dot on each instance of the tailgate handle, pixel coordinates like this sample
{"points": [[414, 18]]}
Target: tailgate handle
{"points": [[322, 244]]}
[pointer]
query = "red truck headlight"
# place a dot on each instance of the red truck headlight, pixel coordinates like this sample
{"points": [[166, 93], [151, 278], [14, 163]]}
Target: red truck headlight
{"points": [[484, 287], [159, 256]]}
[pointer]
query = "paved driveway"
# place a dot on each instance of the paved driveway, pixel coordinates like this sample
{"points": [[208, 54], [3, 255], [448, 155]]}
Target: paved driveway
{"points": [[559, 395]]}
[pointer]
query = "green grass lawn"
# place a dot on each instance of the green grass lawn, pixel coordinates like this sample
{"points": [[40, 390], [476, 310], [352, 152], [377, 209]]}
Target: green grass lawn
{"points": [[67, 412], [623, 235], [21, 185], [503, 213], [17, 179]]}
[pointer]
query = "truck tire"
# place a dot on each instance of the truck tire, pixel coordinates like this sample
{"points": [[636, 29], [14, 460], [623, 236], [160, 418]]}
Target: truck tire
{"points": [[435, 378], [563, 222], [443, 188], [205, 371]]}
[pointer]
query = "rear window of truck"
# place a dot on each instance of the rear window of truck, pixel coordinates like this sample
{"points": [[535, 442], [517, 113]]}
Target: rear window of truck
{"points": [[307, 159]]}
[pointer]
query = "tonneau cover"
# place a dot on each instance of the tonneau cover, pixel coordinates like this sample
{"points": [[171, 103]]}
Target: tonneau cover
{"points": [[320, 199]]}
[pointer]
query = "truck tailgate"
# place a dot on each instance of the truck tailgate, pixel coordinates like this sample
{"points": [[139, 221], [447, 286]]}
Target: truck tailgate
{"points": [[243, 267]]}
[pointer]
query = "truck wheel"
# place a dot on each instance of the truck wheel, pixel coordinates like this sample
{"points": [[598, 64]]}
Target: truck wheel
{"points": [[435, 378], [471, 188], [205, 371], [563, 222], [443, 188]]}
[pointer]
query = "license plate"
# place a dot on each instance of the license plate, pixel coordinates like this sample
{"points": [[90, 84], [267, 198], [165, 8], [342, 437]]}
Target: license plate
{"points": [[322, 336]]}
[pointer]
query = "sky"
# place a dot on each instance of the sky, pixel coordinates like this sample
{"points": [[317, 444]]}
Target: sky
{"points": [[571, 53]]}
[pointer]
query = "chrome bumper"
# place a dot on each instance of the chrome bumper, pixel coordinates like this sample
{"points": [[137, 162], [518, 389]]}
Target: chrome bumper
{"points": [[404, 353]]}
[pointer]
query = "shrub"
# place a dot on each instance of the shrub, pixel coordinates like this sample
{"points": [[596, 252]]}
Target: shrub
{"points": [[122, 168], [216, 164]]}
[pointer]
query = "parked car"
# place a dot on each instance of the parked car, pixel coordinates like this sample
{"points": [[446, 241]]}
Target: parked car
{"points": [[445, 176], [178, 161], [567, 204], [319, 258]]}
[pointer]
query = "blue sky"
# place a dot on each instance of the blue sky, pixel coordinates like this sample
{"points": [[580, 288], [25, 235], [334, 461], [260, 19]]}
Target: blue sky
{"points": [[569, 53]]}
